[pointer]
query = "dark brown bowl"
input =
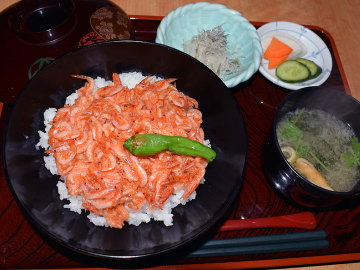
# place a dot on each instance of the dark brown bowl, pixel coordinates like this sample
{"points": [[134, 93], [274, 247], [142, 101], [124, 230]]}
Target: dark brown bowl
{"points": [[43, 22], [287, 181]]}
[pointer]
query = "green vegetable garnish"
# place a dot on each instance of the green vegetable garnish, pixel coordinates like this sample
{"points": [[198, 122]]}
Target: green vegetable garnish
{"points": [[291, 131], [318, 161], [152, 144], [299, 116], [303, 150], [353, 156]]}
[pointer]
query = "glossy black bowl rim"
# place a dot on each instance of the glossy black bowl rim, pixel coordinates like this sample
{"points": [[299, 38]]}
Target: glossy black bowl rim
{"points": [[47, 36], [43, 230], [273, 133]]}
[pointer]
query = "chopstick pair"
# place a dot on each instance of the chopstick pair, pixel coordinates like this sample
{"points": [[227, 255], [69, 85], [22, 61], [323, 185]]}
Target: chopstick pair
{"points": [[298, 241], [303, 220]]}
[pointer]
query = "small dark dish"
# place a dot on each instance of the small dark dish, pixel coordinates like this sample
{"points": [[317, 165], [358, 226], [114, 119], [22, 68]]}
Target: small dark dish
{"points": [[287, 181], [35, 188], [43, 22]]}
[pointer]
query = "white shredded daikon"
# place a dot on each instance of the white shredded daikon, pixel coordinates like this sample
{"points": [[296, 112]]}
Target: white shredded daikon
{"points": [[211, 48]]}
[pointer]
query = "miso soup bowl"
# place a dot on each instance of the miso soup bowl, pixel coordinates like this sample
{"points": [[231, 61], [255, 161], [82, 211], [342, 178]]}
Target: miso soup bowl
{"points": [[286, 181]]}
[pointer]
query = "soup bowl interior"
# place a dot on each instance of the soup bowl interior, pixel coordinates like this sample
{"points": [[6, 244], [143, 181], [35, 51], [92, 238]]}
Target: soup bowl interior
{"points": [[291, 185]]}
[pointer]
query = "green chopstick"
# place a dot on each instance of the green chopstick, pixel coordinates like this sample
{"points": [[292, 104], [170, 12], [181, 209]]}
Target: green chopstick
{"points": [[300, 241]]}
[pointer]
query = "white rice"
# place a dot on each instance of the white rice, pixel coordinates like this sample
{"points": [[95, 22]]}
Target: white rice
{"points": [[136, 217]]}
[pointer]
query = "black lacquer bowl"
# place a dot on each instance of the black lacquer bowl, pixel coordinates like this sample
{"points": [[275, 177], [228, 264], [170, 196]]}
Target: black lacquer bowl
{"points": [[292, 186], [35, 188]]}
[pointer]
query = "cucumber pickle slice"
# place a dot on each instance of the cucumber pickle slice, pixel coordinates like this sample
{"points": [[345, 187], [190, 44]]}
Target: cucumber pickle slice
{"points": [[292, 71], [315, 70]]}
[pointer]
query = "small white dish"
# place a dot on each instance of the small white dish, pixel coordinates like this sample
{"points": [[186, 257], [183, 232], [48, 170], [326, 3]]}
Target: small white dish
{"points": [[314, 49]]}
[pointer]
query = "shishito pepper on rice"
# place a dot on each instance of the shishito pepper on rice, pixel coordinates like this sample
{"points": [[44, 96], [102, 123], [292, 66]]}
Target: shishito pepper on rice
{"points": [[151, 144], [85, 143]]}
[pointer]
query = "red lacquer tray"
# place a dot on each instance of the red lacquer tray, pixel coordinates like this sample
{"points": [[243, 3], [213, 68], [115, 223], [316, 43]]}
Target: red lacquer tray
{"points": [[22, 247]]}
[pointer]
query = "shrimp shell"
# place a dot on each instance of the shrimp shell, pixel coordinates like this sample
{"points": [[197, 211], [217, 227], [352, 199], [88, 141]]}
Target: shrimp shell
{"points": [[87, 138]]}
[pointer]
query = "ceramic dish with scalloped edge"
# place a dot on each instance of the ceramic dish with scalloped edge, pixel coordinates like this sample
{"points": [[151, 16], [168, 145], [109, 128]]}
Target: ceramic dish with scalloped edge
{"points": [[181, 24], [314, 49]]}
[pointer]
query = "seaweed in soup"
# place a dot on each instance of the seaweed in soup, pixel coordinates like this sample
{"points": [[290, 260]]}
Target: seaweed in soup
{"points": [[321, 139]]}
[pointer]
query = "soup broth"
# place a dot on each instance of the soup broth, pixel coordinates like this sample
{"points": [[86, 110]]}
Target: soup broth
{"points": [[320, 141]]}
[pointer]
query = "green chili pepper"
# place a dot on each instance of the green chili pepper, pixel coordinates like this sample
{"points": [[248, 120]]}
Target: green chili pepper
{"points": [[151, 144]]}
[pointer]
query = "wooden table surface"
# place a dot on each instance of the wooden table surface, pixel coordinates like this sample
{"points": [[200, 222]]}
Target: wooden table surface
{"points": [[337, 17]]}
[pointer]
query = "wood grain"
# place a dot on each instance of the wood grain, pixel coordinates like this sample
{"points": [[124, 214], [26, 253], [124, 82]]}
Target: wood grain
{"points": [[320, 13], [338, 17]]}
